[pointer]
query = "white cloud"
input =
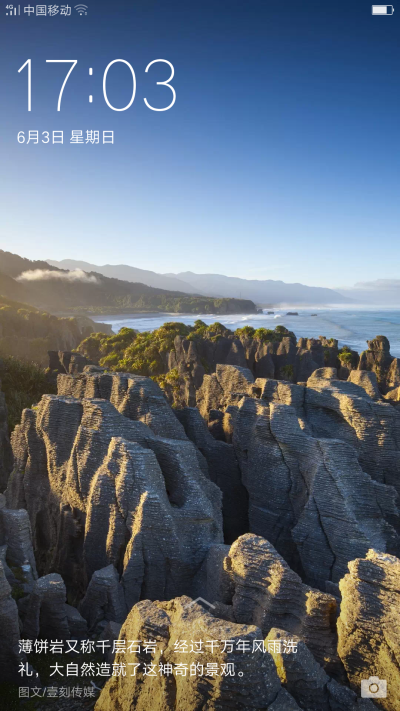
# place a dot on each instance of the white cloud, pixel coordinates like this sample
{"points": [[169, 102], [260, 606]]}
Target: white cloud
{"points": [[49, 274]]}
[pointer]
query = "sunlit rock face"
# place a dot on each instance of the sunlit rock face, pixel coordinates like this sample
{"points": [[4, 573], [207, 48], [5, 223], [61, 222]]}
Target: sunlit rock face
{"points": [[255, 685], [369, 623], [321, 464], [129, 504], [256, 586], [300, 486], [136, 397], [102, 489]]}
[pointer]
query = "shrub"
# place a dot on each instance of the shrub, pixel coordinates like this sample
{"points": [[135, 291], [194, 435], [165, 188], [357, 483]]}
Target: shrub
{"points": [[287, 371], [245, 331], [23, 385]]}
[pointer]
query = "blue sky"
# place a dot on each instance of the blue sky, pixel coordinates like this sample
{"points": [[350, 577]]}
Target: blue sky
{"points": [[280, 158]]}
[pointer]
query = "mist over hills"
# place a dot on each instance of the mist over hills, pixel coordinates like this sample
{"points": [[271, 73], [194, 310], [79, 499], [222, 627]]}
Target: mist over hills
{"points": [[381, 292], [52, 289], [263, 292], [127, 273]]}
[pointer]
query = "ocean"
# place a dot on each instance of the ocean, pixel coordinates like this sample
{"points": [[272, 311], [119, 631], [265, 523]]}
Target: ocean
{"points": [[352, 326]]}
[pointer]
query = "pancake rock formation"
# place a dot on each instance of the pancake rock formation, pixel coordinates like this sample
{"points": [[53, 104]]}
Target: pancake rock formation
{"points": [[369, 624], [101, 489], [255, 684]]}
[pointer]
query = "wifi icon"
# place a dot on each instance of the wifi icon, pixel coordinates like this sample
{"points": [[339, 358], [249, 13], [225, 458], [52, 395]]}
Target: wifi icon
{"points": [[82, 9]]}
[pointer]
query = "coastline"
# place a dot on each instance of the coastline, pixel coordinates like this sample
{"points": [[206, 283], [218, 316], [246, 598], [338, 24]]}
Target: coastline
{"points": [[351, 326]]}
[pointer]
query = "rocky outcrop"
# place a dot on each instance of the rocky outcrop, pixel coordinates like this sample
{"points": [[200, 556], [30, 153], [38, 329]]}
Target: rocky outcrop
{"points": [[224, 471], [368, 626], [224, 387], [134, 396], [104, 599], [305, 679], [264, 591], [44, 610], [10, 656], [6, 456], [102, 489], [309, 457], [345, 411], [280, 358], [67, 362], [379, 360], [366, 379], [183, 625], [300, 486]]}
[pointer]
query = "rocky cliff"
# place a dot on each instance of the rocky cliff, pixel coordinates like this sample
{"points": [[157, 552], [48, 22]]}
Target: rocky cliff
{"points": [[103, 489], [274, 502]]}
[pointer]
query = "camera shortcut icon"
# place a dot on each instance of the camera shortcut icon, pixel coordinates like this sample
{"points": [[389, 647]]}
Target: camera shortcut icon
{"points": [[373, 688]]}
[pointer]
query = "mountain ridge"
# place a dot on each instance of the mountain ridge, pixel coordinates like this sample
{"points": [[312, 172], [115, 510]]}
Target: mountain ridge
{"points": [[126, 273], [264, 292], [48, 288]]}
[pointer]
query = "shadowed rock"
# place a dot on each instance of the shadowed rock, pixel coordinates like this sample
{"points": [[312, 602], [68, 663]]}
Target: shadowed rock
{"points": [[368, 626], [104, 599], [136, 501], [6, 456], [224, 471], [304, 678], [45, 612], [301, 486], [10, 657], [366, 379]]}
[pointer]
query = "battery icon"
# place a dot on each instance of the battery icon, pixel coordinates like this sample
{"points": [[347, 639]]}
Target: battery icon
{"points": [[382, 9]]}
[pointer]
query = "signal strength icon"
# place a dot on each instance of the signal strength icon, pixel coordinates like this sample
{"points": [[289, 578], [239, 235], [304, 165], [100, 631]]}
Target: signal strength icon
{"points": [[12, 10], [82, 9]]}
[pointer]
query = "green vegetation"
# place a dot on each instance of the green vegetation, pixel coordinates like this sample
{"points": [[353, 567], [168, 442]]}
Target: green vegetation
{"points": [[167, 302], [23, 385], [287, 372], [142, 353], [347, 357], [266, 335], [147, 353], [28, 334]]}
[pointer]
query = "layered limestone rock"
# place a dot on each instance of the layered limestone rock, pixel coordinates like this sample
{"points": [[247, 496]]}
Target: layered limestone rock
{"points": [[379, 360], [306, 681], [310, 457], [366, 379], [134, 396], [345, 411], [264, 591], [102, 489], [104, 598], [6, 457], [10, 656], [45, 610], [67, 362], [369, 627], [16, 551], [183, 625], [224, 471], [300, 486], [284, 359], [223, 387]]}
